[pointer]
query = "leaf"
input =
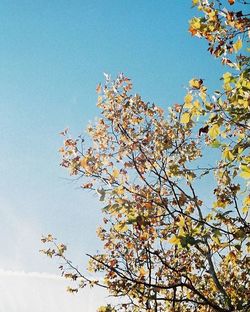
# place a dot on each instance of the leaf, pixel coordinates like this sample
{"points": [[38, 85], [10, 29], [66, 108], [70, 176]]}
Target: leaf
{"points": [[227, 77], [214, 131], [84, 162], [87, 185], [245, 209], [245, 173], [142, 272], [115, 173], [106, 208], [119, 190], [174, 240], [237, 45], [187, 240], [219, 203], [216, 239], [246, 200], [148, 205], [188, 98], [215, 144], [181, 221], [185, 118], [232, 256], [102, 194], [227, 154], [195, 83], [72, 290], [121, 227], [99, 88], [195, 23]]}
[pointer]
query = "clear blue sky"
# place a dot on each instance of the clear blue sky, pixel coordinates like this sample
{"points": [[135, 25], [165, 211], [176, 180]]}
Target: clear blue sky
{"points": [[52, 55]]}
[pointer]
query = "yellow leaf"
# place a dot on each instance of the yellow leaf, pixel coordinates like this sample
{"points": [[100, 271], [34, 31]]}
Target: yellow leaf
{"points": [[246, 83], [188, 105], [181, 221], [216, 239], [188, 98], [227, 154], [121, 227], [144, 236], [119, 190], [240, 150], [84, 162], [181, 232], [245, 209], [195, 83], [196, 104], [115, 173], [185, 118], [220, 204], [99, 100], [195, 23], [246, 200], [174, 240], [102, 309], [214, 131], [237, 45], [227, 77], [196, 110], [142, 272], [245, 173], [130, 245], [248, 247]]}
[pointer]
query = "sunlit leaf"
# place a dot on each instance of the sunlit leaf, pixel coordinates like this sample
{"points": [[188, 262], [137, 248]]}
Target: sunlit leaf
{"points": [[121, 227], [185, 118], [214, 131], [227, 154], [237, 45], [174, 240], [245, 173], [115, 173]]}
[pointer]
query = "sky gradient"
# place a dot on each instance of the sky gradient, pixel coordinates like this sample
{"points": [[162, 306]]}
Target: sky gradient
{"points": [[52, 56]]}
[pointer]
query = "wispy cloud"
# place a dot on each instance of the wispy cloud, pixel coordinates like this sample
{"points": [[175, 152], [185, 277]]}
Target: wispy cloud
{"points": [[34, 291], [19, 239], [30, 274]]}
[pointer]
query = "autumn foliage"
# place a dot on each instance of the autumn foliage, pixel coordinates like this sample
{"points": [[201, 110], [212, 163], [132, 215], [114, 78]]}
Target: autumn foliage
{"points": [[174, 184]]}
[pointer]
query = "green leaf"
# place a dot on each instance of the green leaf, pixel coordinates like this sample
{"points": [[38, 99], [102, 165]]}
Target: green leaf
{"points": [[187, 240], [215, 144], [102, 194]]}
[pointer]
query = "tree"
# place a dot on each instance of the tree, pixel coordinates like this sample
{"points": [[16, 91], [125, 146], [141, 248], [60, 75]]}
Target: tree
{"points": [[170, 245]]}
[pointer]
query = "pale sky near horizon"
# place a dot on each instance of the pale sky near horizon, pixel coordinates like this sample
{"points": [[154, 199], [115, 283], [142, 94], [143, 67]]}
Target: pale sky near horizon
{"points": [[53, 54], [40, 292]]}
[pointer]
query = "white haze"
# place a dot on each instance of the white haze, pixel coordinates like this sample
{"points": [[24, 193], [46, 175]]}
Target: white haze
{"points": [[40, 292]]}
